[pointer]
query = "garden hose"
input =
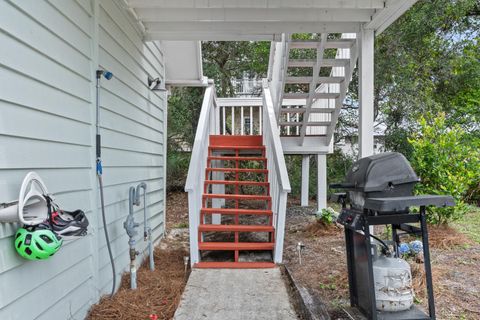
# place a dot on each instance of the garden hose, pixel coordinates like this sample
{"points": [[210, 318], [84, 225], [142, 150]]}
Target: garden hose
{"points": [[107, 75]]}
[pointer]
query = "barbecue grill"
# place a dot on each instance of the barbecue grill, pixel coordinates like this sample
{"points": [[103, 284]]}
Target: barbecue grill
{"points": [[379, 176], [379, 191]]}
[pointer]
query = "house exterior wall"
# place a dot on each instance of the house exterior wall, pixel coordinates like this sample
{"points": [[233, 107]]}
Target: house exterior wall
{"points": [[49, 53]]}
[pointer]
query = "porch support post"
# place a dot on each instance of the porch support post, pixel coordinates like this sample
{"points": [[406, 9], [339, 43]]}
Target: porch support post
{"points": [[366, 92], [305, 180], [321, 181]]}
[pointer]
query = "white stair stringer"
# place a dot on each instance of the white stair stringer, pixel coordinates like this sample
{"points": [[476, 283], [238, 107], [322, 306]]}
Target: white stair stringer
{"points": [[315, 114], [346, 73]]}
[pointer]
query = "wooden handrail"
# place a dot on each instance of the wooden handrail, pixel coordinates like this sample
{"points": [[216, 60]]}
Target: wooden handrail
{"points": [[272, 132], [203, 131], [207, 125]]}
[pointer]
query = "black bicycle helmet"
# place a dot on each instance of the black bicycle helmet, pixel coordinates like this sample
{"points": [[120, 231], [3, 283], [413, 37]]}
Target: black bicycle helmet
{"points": [[68, 224]]}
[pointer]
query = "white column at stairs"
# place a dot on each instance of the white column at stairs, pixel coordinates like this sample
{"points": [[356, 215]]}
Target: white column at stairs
{"points": [[366, 92], [321, 181], [218, 189], [305, 180]]}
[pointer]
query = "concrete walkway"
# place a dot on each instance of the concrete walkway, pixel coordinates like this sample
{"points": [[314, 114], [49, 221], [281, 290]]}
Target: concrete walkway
{"points": [[229, 294]]}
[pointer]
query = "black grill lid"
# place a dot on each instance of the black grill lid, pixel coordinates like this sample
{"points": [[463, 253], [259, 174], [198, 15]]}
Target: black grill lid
{"points": [[378, 172]]}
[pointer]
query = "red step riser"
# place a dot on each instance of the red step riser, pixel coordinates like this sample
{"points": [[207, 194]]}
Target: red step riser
{"points": [[233, 148], [226, 158], [240, 183], [225, 140], [236, 197], [235, 246], [235, 228], [237, 170], [234, 265], [236, 211]]}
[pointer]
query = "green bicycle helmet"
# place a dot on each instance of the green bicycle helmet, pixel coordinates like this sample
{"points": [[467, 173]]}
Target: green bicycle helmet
{"points": [[36, 243]]}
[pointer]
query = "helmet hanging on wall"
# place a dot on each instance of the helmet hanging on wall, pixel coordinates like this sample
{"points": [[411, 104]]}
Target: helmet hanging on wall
{"points": [[67, 224], [36, 243]]}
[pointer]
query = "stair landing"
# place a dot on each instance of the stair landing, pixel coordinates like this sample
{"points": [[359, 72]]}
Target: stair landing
{"points": [[235, 295]]}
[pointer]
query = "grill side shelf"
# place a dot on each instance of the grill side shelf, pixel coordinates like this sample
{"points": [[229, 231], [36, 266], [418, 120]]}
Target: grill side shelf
{"points": [[401, 203]]}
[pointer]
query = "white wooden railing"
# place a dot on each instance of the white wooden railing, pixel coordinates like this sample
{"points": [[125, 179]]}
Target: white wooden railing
{"points": [[277, 170], [240, 116], [207, 125]]}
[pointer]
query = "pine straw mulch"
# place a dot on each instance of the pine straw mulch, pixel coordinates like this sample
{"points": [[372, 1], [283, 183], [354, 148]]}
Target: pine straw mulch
{"points": [[455, 261], [319, 228], [447, 238], [157, 295]]}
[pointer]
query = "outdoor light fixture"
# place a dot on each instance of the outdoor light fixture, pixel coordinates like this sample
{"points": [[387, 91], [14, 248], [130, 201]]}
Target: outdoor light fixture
{"points": [[154, 84]]}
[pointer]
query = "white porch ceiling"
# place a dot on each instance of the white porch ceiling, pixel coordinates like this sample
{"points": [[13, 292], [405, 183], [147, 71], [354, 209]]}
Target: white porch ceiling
{"points": [[260, 19]]}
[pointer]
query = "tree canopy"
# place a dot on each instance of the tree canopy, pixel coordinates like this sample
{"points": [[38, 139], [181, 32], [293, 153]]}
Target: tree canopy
{"points": [[429, 61]]}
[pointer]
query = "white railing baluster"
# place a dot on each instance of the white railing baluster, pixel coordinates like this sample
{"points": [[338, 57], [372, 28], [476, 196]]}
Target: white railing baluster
{"points": [[242, 122], [224, 122], [260, 121], [298, 127], [288, 127], [251, 120], [233, 121]]}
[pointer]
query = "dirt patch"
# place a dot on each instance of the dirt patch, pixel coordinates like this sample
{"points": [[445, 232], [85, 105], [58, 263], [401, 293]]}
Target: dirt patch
{"points": [[308, 307], [323, 270], [455, 266], [177, 210]]}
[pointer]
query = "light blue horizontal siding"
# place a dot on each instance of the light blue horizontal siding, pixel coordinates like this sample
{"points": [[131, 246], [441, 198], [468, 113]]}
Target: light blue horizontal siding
{"points": [[47, 125], [132, 131]]}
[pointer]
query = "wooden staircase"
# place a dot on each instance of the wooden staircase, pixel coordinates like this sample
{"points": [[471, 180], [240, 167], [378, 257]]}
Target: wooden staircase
{"points": [[245, 205], [313, 80]]}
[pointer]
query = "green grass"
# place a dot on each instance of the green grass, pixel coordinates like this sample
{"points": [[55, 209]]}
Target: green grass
{"points": [[181, 225], [469, 224]]}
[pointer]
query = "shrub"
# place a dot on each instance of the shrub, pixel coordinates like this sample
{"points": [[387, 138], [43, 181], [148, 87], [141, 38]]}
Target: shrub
{"points": [[447, 161], [177, 170], [327, 216]]}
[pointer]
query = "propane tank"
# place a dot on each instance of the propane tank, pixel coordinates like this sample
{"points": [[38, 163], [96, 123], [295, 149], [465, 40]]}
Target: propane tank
{"points": [[393, 284]]}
